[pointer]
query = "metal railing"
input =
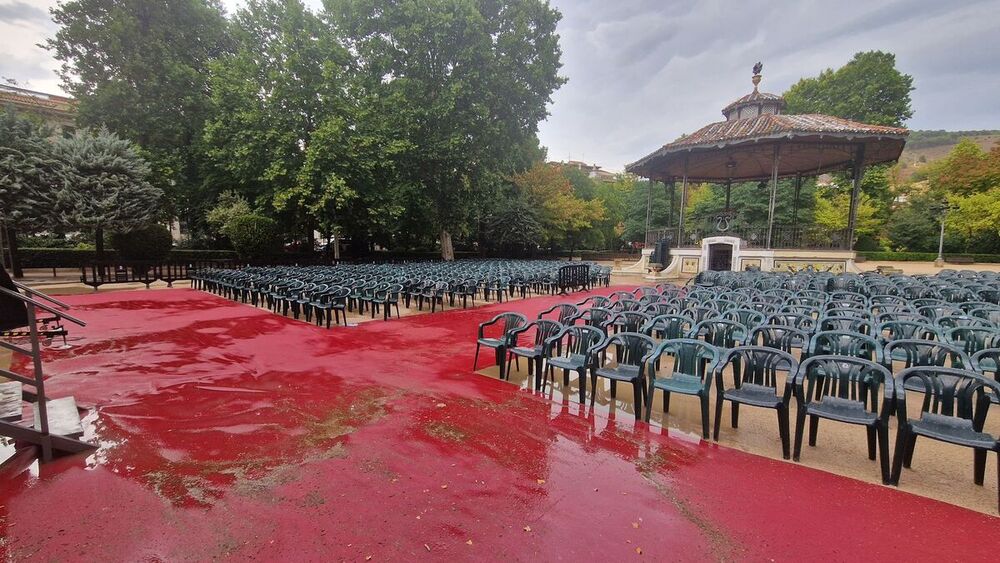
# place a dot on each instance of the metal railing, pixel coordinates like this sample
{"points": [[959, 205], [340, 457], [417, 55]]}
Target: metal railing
{"points": [[782, 237]]}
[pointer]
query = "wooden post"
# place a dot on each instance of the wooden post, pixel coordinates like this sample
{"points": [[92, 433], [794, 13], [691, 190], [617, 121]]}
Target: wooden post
{"points": [[795, 206], [649, 207], [857, 172], [774, 193], [672, 185]]}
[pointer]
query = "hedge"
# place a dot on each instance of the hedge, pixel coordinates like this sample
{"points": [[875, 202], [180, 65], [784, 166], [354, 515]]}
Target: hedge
{"points": [[75, 258], [928, 257]]}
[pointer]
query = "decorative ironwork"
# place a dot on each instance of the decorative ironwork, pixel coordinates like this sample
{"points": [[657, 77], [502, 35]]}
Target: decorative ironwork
{"points": [[782, 236]]}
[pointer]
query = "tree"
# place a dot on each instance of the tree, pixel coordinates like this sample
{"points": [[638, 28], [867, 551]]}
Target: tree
{"points": [[966, 170], [868, 89], [466, 80], [139, 68], [228, 207], [563, 216], [108, 184], [31, 179], [514, 226]]}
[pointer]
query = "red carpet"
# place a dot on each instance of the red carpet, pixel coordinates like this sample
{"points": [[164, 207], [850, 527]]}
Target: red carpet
{"points": [[228, 431]]}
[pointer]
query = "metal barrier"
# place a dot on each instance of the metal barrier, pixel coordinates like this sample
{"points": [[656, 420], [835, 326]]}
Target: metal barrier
{"points": [[96, 275], [574, 277]]}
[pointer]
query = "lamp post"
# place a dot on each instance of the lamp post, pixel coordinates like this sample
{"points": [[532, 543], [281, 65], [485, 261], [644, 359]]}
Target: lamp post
{"points": [[943, 210]]}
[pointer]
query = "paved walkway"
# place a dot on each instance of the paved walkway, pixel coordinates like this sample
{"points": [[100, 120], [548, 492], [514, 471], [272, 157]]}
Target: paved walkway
{"points": [[225, 430]]}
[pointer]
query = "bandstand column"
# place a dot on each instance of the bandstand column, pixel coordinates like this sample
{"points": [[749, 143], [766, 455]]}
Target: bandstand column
{"points": [[774, 192], [857, 173], [680, 216], [649, 207]]}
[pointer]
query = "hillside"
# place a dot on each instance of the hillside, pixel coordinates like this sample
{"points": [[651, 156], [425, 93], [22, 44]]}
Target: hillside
{"points": [[927, 146]]}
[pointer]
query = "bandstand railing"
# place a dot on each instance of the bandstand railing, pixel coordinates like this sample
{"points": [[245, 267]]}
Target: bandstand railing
{"points": [[782, 237]]}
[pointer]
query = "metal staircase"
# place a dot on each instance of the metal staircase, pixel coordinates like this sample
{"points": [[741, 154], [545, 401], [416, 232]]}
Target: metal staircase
{"points": [[55, 426]]}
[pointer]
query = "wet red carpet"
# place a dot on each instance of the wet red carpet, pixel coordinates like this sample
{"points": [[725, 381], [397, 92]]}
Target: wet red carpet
{"points": [[229, 431]]}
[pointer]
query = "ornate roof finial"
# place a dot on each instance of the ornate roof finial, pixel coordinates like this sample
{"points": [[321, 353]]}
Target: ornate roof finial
{"points": [[756, 74]]}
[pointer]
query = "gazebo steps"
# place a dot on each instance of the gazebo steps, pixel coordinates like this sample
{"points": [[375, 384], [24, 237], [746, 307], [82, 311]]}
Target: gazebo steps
{"points": [[64, 418], [10, 401]]}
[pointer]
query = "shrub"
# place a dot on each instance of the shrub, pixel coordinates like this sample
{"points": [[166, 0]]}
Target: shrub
{"points": [[149, 242], [928, 257], [254, 236]]}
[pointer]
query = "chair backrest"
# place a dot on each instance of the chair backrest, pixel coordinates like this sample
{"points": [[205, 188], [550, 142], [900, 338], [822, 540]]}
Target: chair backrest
{"points": [[952, 321], [802, 322], [691, 357], [597, 316], [987, 362], [914, 352], [779, 337], [845, 343], [719, 332], [544, 330], [578, 339], [949, 392], [509, 322], [564, 312], [972, 338], [935, 311], [632, 321], [669, 326], [843, 377], [596, 301], [905, 329], [759, 365], [851, 324], [746, 317], [633, 347]]}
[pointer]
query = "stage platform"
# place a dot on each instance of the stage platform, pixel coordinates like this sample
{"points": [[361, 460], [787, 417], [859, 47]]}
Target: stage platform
{"points": [[228, 431]]}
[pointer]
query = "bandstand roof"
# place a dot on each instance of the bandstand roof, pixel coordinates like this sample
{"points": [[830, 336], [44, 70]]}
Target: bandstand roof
{"points": [[742, 147]]}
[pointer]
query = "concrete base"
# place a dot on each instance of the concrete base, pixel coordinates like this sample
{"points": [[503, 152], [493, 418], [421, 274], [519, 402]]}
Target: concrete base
{"points": [[693, 260]]}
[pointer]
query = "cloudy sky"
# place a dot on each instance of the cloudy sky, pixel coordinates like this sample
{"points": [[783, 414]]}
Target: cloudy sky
{"points": [[642, 72]]}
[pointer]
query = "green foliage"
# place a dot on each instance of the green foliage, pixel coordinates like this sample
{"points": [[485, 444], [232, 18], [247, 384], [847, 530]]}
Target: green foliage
{"points": [[921, 139], [139, 68], [928, 257], [462, 82], [514, 226], [228, 207], [563, 215], [254, 236], [914, 227], [147, 242], [109, 182], [868, 89], [31, 177]]}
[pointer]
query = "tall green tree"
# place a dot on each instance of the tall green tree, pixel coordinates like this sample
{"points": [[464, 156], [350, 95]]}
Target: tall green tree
{"points": [[108, 187], [868, 89], [31, 179], [139, 68], [466, 80]]}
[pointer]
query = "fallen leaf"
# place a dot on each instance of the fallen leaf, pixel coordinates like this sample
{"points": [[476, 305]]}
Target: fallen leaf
{"points": [[541, 481], [527, 528], [444, 486], [427, 546], [441, 405], [635, 525], [638, 550], [469, 542], [368, 558]]}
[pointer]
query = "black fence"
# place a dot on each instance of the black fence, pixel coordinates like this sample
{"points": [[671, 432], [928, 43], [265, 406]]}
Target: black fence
{"points": [[98, 274], [574, 277]]}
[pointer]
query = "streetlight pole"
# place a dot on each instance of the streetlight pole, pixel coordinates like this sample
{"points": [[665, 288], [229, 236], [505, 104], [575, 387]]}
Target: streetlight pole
{"points": [[939, 262]]}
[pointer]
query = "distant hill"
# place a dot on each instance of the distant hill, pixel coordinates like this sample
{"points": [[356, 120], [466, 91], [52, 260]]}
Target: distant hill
{"points": [[927, 146]]}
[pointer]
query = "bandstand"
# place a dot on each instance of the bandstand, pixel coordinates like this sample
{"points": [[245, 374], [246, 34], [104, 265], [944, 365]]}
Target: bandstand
{"points": [[757, 142]]}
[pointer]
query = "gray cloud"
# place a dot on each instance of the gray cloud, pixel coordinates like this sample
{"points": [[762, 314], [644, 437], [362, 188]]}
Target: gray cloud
{"points": [[642, 72], [18, 11]]}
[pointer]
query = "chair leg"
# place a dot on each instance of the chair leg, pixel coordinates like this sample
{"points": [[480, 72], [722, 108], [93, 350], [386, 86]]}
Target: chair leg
{"points": [[475, 361], [800, 425], [979, 466], [783, 430], [583, 385], [911, 444], [736, 415], [897, 459], [614, 389], [813, 430], [666, 402], [883, 451], [637, 399], [718, 417], [593, 388], [871, 442], [704, 416]]}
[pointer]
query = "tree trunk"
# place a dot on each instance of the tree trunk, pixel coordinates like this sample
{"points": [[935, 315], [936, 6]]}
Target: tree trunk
{"points": [[447, 250], [99, 242], [15, 259], [336, 245]]}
